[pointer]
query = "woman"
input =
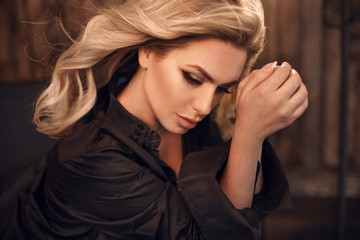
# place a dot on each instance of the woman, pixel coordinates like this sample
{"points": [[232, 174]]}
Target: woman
{"points": [[134, 158]]}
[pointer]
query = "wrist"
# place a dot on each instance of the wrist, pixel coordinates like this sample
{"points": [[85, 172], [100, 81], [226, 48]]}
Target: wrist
{"points": [[249, 134]]}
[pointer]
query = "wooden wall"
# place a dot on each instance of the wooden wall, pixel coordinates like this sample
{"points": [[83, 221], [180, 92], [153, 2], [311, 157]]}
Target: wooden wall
{"points": [[306, 33], [32, 36]]}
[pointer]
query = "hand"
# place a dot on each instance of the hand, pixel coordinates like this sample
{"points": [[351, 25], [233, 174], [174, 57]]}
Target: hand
{"points": [[270, 99]]}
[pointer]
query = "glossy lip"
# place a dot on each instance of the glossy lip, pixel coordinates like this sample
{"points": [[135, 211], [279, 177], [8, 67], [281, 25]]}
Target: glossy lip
{"points": [[187, 122]]}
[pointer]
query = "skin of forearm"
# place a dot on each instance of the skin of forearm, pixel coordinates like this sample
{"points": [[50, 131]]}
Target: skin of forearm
{"points": [[238, 179]]}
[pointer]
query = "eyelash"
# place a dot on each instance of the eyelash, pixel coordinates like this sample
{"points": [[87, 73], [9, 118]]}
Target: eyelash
{"points": [[191, 80], [196, 82]]}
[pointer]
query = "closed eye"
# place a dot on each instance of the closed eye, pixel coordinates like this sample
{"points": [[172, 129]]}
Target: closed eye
{"points": [[191, 79], [194, 80]]}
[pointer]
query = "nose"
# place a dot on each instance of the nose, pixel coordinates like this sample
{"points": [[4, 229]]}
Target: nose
{"points": [[203, 103]]}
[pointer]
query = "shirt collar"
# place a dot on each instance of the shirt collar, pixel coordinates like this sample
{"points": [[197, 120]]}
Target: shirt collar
{"points": [[133, 127]]}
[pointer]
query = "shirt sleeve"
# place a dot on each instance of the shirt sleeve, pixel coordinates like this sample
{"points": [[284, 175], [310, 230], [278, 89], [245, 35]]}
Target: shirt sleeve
{"points": [[213, 211]]}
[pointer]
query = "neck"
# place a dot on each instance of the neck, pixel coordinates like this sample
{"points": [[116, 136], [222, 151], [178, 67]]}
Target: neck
{"points": [[171, 151], [133, 99]]}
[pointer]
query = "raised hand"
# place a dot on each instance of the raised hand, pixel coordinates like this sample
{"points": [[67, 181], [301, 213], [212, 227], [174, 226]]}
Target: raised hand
{"points": [[270, 99]]}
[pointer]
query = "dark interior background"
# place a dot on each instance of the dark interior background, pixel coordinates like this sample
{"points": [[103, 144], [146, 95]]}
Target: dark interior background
{"points": [[306, 33]]}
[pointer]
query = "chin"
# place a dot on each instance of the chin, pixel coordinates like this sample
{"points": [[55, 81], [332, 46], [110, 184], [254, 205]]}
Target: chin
{"points": [[176, 130], [183, 131], [171, 126], [179, 130]]}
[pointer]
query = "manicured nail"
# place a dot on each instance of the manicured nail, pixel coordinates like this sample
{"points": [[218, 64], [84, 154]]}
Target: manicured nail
{"points": [[269, 67]]}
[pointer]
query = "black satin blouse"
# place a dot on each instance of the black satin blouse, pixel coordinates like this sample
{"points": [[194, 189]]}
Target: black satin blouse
{"points": [[105, 181]]}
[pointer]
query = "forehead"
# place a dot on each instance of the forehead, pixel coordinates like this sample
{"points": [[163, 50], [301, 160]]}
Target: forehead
{"points": [[222, 60]]}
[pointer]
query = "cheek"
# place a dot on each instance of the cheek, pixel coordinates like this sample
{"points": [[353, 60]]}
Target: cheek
{"points": [[166, 86], [173, 85]]}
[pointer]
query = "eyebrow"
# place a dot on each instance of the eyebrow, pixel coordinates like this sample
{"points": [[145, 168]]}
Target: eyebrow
{"points": [[209, 77]]}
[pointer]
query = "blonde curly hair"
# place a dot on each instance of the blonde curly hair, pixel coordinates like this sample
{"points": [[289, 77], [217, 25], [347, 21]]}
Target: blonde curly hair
{"points": [[112, 37]]}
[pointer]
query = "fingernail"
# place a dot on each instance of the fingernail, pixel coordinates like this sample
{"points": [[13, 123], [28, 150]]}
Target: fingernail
{"points": [[269, 67]]}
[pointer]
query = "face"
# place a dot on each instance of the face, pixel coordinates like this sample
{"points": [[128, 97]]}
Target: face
{"points": [[183, 86]]}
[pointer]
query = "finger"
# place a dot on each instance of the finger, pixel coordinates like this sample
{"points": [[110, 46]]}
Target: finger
{"points": [[292, 105], [246, 79], [278, 77], [291, 85], [301, 108], [242, 84], [301, 92], [299, 97], [258, 76], [294, 109]]}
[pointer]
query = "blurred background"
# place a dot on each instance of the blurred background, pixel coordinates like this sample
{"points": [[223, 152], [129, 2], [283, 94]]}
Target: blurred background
{"points": [[305, 33]]}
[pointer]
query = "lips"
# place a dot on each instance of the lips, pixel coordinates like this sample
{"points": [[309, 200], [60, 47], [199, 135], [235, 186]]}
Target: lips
{"points": [[187, 122]]}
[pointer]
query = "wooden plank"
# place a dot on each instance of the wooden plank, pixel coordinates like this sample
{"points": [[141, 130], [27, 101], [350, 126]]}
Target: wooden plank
{"points": [[331, 79], [311, 63]]}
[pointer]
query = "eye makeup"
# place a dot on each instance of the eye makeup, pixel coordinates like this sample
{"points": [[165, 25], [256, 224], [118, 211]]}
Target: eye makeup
{"points": [[194, 80]]}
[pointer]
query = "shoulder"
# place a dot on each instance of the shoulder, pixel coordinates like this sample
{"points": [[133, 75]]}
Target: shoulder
{"points": [[96, 152], [103, 181], [98, 161], [95, 147]]}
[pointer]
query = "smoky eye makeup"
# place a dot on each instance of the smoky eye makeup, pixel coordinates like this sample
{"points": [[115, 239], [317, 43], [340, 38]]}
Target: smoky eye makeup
{"points": [[198, 81], [192, 79]]}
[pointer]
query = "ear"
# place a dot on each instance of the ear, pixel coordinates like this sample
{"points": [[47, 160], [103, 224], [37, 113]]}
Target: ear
{"points": [[144, 56]]}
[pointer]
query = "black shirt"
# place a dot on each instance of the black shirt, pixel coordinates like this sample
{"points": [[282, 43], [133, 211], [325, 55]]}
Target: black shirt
{"points": [[105, 181]]}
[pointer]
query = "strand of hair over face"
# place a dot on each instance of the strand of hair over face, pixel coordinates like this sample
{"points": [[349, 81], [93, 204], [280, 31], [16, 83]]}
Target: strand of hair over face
{"points": [[116, 32]]}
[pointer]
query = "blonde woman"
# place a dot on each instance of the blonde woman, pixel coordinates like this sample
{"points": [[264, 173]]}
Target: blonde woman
{"points": [[129, 102]]}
